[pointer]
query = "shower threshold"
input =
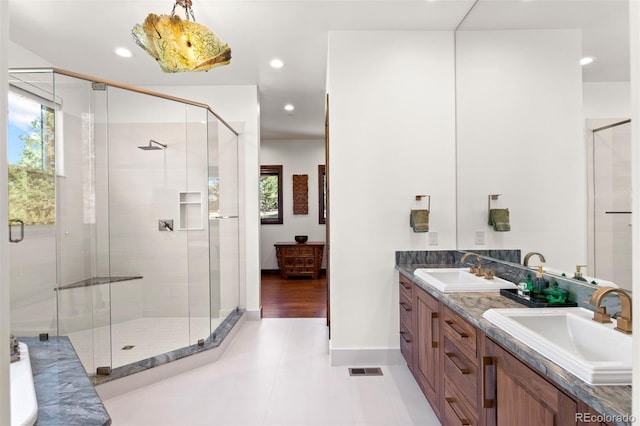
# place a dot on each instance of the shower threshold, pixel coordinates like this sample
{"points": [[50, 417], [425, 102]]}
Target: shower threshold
{"points": [[152, 345]]}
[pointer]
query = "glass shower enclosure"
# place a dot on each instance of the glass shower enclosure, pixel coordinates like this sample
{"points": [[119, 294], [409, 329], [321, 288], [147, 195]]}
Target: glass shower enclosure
{"points": [[136, 252], [610, 202]]}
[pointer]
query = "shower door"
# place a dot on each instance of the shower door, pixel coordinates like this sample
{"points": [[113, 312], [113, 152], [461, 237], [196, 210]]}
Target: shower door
{"points": [[149, 224], [31, 144], [55, 259], [611, 177]]}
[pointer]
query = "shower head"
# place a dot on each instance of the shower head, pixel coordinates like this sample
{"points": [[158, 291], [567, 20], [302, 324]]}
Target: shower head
{"points": [[152, 147]]}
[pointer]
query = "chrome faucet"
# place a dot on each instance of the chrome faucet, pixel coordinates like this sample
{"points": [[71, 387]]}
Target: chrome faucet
{"points": [[475, 270], [623, 322], [527, 256]]}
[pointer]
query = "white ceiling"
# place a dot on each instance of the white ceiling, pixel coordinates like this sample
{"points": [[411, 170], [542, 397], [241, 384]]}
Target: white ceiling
{"points": [[80, 35]]}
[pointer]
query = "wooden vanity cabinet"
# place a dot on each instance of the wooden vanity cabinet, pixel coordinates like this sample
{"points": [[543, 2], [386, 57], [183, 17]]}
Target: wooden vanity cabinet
{"points": [[469, 379], [406, 320], [426, 355], [460, 366], [516, 395], [594, 416]]}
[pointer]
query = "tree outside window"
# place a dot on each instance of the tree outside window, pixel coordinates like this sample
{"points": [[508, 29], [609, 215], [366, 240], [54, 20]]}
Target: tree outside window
{"points": [[271, 194], [31, 147]]}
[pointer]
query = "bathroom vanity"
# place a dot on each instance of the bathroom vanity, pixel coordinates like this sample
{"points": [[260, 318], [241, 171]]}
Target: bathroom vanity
{"points": [[474, 373]]}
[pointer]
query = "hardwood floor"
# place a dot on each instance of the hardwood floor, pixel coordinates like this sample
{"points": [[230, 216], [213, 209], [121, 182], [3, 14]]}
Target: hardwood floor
{"points": [[293, 297]]}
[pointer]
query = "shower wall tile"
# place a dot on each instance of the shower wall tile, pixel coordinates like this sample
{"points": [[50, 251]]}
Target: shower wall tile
{"points": [[127, 298], [144, 188], [229, 267]]}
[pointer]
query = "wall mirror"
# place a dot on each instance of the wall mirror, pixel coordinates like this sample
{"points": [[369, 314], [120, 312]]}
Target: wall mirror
{"points": [[526, 109]]}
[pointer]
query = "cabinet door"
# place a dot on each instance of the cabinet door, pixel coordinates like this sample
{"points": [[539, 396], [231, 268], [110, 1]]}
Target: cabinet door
{"points": [[426, 358], [519, 396], [587, 416]]}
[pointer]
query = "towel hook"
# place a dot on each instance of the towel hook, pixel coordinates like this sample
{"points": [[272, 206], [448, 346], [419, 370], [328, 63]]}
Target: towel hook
{"points": [[420, 197], [492, 197]]}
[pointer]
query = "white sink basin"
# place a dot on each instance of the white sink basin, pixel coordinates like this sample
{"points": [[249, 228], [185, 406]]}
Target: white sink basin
{"points": [[594, 352], [450, 280]]}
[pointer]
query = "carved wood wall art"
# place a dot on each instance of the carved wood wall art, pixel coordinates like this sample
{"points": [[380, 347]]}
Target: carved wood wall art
{"points": [[300, 194]]}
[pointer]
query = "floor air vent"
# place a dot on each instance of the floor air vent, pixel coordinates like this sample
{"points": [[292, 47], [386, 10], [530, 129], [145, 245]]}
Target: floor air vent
{"points": [[366, 371]]}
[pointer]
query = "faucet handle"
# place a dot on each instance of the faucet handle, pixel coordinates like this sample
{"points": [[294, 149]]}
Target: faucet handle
{"points": [[601, 315], [488, 275], [623, 324]]}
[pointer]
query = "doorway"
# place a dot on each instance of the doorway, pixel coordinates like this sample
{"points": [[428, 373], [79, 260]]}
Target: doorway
{"points": [[305, 159]]}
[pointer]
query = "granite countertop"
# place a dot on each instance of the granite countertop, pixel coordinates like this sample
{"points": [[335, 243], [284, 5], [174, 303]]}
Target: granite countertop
{"points": [[64, 392], [614, 402]]}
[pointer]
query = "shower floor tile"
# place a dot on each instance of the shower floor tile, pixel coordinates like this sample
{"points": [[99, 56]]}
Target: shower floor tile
{"points": [[277, 372], [148, 336]]}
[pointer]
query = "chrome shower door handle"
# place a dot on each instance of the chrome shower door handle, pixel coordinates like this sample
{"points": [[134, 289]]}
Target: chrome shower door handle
{"points": [[12, 224]]}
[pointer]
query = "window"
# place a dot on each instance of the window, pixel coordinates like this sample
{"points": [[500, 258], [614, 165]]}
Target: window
{"points": [[322, 194], [271, 194], [31, 147], [214, 197]]}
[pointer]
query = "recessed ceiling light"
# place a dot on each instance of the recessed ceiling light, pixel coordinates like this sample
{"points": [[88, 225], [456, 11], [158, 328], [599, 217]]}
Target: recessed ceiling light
{"points": [[289, 107], [587, 60], [276, 63], [123, 52]]}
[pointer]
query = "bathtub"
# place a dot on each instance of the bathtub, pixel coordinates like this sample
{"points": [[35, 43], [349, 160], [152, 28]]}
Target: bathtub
{"points": [[24, 406]]}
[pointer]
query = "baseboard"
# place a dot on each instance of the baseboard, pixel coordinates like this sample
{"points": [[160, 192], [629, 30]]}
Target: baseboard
{"points": [[254, 314], [153, 375], [391, 356]]}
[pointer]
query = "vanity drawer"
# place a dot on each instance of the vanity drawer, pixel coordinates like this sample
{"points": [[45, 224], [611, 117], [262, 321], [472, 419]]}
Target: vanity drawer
{"points": [[406, 312], [406, 287], [406, 345], [460, 332], [456, 412], [462, 372]]}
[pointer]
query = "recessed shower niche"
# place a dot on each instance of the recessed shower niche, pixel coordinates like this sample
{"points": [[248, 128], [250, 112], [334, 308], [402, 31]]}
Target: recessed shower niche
{"points": [[96, 269]]}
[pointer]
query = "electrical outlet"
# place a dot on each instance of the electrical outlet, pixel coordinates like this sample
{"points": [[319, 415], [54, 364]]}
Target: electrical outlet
{"points": [[433, 238], [479, 237]]}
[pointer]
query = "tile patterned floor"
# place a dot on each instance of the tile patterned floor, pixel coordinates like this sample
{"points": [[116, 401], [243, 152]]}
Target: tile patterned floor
{"points": [[276, 372]]}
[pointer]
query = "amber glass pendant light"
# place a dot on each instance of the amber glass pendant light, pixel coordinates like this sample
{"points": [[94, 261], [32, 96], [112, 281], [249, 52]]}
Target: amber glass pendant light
{"points": [[181, 45]]}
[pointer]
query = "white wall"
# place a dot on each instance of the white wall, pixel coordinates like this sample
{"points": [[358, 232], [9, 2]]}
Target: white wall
{"points": [[607, 100], [299, 157], [520, 124], [391, 137]]}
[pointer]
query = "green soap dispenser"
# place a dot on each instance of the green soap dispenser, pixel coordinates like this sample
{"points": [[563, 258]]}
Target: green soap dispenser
{"points": [[529, 283], [556, 294]]}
